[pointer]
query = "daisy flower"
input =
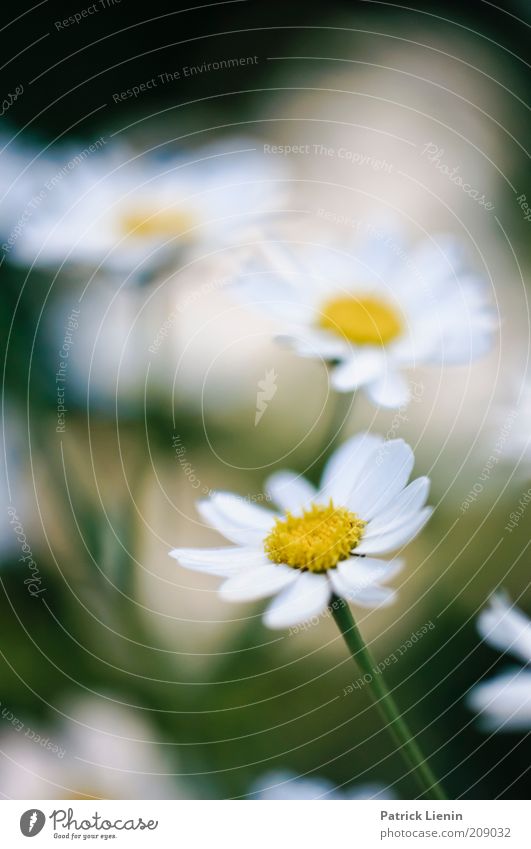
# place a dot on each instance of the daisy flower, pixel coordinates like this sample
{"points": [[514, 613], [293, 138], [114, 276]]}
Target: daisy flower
{"points": [[504, 702], [283, 784], [132, 213], [22, 176], [373, 310], [322, 542], [101, 751]]}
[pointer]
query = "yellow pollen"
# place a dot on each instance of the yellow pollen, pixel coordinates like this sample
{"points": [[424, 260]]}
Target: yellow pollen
{"points": [[150, 223], [315, 541], [365, 320]]}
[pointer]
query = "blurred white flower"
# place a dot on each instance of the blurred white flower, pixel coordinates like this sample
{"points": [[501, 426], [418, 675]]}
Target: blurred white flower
{"points": [[107, 352], [324, 541], [283, 784], [148, 343], [372, 311], [101, 751], [504, 702], [22, 176], [131, 213]]}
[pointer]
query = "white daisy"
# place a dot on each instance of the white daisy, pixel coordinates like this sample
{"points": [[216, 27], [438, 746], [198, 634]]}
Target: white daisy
{"points": [[132, 213], [282, 784], [504, 702], [108, 353], [323, 541], [102, 750], [371, 311], [22, 177]]}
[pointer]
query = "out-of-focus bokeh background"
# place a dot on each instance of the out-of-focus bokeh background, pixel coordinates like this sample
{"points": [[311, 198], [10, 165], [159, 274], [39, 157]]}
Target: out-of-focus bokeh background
{"points": [[143, 150]]}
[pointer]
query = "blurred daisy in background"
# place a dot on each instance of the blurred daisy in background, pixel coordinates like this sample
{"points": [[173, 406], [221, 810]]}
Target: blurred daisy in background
{"points": [[287, 785], [323, 542], [373, 310], [133, 213], [107, 349], [182, 339], [103, 751], [23, 176], [504, 702]]}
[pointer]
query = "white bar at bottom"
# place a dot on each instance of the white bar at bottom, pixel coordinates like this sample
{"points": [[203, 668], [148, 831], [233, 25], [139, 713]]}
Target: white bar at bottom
{"points": [[266, 825]]}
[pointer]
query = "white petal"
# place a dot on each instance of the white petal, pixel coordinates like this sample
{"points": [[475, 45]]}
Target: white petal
{"points": [[307, 597], [361, 367], [506, 628], [361, 572], [414, 348], [504, 701], [375, 597], [384, 543], [378, 253], [239, 511], [479, 344], [286, 262], [382, 479], [236, 519], [273, 295], [258, 582], [315, 343], [341, 587], [363, 589], [391, 391], [237, 534], [345, 465], [401, 510], [219, 561], [290, 491], [437, 261]]}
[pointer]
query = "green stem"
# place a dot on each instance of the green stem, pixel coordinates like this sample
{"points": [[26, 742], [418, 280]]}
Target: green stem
{"points": [[384, 701]]}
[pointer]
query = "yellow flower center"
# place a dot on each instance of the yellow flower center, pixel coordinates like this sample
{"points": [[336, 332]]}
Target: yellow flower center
{"points": [[152, 223], [365, 320], [315, 541]]}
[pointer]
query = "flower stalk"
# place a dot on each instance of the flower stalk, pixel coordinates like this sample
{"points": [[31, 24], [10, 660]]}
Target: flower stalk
{"points": [[385, 703]]}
